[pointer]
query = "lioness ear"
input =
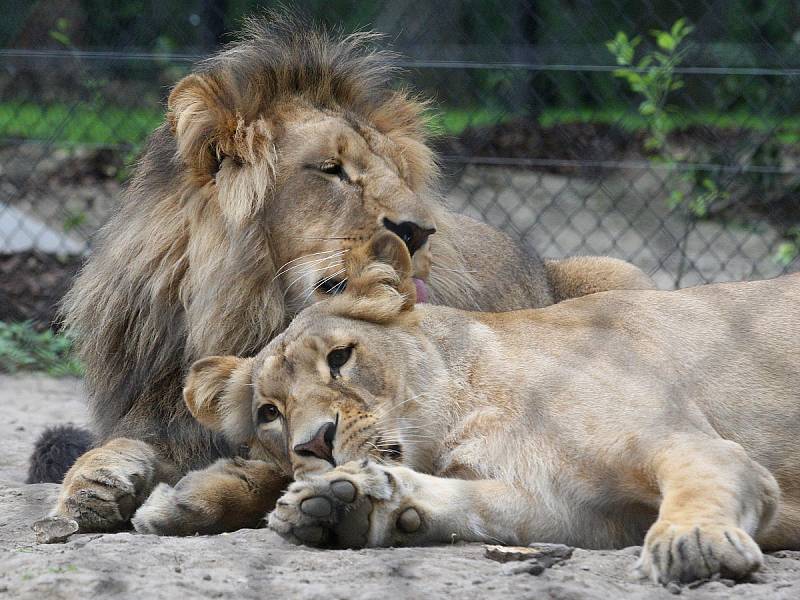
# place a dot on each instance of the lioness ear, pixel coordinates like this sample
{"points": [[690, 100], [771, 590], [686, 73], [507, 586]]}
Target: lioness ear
{"points": [[217, 142], [380, 270], [218, 394], [388, 248]]}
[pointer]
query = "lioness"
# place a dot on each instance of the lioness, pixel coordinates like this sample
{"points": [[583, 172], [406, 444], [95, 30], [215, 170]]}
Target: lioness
{"points": [[276, 157], [590, 422]]}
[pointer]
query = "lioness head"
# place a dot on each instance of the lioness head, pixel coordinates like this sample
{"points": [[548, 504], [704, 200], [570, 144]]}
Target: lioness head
{"points": [[337, 384], [300, 131]]}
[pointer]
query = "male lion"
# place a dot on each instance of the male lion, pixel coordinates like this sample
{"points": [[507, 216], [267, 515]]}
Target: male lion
{"points": [[277, 155], [591, 422]]}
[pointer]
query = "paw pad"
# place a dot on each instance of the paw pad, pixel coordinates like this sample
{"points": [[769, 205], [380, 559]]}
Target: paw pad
{"points": [[409, 520], [344, 490], [317, 507]]}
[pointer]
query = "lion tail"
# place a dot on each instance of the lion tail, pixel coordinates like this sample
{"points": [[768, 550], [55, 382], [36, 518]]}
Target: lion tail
{"points": [[55, 452]]}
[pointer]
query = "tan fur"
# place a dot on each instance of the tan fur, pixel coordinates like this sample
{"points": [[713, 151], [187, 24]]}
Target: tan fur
{"points": [[230, 225], [603, 421], [583, 275]]}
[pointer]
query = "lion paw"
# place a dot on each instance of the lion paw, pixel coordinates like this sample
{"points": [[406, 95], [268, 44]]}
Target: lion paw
{"points": [[100, 500], [352, 506], [160, 512], [685, 553], [105, 486]]}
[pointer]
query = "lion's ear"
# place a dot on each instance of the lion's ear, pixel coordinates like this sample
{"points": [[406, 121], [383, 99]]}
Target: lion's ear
{"points": [[380, 272], [218, 393], [217, 142]]}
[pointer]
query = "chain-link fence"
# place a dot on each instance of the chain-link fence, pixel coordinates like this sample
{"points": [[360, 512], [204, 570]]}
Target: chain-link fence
{"points": [[678, 152]]}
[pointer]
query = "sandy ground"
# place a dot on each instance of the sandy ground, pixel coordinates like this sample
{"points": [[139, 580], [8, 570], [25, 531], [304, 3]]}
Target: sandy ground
{"points": [[257, 564]]}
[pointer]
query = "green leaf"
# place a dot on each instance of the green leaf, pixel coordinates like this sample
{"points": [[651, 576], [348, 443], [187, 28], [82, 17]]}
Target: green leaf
{"points": [[60, 38], [677, 27], [665, 41], [786, 253], [647, 108], [676, 198]]}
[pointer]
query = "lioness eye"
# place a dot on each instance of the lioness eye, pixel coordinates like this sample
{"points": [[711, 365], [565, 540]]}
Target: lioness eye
{"points": [[267, 413], [337, 359]]}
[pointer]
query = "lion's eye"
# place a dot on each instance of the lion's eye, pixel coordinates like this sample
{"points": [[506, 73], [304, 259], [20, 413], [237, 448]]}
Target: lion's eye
{"points": [[338, 358], [267, 413], [333, 167]]}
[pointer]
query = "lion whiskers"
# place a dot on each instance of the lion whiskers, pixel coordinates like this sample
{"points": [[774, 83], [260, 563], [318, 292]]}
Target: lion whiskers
{"points": [[317, 269], [332, 254], [322, 282], [294, 260]]}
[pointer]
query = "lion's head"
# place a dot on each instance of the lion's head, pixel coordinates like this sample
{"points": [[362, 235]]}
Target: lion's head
{"points": [[338, 384], [277, 156]]}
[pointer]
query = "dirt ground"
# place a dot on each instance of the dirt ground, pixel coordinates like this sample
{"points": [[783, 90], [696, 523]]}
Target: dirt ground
{"points": [[257, 564]]}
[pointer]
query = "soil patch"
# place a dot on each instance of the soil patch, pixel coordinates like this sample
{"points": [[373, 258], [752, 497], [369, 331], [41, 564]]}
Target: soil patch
{"points": [[32, 284]]}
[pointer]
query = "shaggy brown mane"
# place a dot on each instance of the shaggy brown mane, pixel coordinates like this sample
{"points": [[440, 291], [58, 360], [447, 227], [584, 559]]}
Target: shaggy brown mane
{"points": [[282, 57]]}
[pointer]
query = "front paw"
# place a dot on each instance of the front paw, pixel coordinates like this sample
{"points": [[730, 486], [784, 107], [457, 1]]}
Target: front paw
{"points": [[105, 486], [355, 505], [163, 513], [685, 553], [101, 499]]}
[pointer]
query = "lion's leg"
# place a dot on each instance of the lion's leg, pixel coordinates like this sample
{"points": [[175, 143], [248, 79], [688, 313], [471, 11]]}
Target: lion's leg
{"points": [[583, 275], [106, 485], [231, 494], [714, 500], [363, 504]]}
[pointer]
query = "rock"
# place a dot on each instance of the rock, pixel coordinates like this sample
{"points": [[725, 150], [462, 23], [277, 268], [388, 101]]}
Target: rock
{"points": [[54, 530], [546, 554]]}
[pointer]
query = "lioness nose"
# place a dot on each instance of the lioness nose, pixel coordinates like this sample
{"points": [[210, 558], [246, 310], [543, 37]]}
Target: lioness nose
{"points": [[412, 234], [321, 445]]}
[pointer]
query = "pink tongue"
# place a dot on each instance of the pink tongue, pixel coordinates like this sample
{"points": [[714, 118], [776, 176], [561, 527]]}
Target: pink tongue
{"points": [[422, 290]]}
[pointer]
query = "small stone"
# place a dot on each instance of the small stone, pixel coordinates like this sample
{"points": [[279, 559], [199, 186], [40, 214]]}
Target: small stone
{"points": [[178, 570], [409, 520], [206, 577], [19, 428], [674, 588], [546, 554], [54, 530], [509, 553]]}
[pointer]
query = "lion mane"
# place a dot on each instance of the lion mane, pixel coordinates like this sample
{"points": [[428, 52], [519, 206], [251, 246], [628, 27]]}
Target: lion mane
{"points": [[185, 268]]}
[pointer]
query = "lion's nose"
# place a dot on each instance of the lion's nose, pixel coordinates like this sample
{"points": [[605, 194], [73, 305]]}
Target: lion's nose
{"points": [[412, 234], [321, 445]]}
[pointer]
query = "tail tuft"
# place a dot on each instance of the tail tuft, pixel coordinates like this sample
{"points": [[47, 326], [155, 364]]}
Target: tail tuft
{"points": [[55, 452]]}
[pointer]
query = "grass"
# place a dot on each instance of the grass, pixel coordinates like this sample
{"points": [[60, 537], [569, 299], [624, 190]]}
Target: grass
{"points": [[79, 124], [786, 129], [22, 348], [111, 125]]}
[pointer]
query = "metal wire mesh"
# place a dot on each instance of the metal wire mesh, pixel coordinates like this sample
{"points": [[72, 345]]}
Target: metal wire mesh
{"points": [[539, 136]]}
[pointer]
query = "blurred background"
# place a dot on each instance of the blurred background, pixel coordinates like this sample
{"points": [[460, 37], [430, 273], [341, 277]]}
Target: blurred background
{"points": [[663, 132]]}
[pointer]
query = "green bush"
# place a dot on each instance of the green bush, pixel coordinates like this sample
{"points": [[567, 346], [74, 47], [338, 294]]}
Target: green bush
{"points": [[22, 348]]}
